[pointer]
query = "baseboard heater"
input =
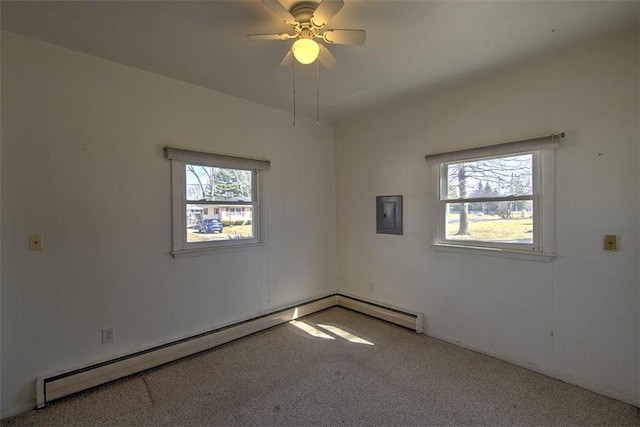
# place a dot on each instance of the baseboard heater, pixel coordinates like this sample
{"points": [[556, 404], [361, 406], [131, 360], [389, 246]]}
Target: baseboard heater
{"points": [[55, 386]]}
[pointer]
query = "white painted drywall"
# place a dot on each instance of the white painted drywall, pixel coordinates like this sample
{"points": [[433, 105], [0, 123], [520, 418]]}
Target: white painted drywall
{"points": [[575, 318], [82, 164]]}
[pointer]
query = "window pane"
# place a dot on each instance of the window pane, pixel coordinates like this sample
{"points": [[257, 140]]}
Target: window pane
{"points": [[207, 223], [499, 222], [218, 184], [503, 176]]}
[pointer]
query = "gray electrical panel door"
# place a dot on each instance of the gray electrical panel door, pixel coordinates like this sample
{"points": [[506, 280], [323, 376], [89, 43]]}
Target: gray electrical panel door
{"points": [[389, 214]]}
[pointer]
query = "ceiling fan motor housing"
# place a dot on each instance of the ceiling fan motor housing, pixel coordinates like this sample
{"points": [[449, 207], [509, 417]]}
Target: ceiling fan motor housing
{"points": [[303, 11]]}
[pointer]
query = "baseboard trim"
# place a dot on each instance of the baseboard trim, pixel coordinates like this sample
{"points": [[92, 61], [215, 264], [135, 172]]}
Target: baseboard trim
{"points": [[64, 383], [561, 376], [18, 409], [60, 384]]}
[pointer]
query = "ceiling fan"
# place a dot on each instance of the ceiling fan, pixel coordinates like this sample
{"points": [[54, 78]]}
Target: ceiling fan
{"points": [[308, 21]]}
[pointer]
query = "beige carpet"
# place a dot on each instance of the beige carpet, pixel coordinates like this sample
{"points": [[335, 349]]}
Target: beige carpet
{"points": [[335, 367]]}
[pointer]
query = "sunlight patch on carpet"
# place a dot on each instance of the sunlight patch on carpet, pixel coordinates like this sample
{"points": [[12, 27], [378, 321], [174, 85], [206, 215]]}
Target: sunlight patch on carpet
{"points": [[344, 334], [311, 330]]}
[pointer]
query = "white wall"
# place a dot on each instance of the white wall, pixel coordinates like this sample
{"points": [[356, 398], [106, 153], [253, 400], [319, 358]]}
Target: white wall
{"points": [[82, 164], [575, 318]]}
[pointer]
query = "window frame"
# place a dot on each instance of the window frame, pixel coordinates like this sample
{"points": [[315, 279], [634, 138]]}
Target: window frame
{"points": [[543, 198], [180, 158]]}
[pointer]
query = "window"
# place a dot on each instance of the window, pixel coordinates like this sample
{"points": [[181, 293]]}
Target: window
{"points": [[236, 211], [489, 200], [497, 198], [210, 193]]}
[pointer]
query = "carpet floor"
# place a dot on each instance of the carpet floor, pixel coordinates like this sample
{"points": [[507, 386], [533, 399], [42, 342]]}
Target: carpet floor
{"points": [[335, 367]]}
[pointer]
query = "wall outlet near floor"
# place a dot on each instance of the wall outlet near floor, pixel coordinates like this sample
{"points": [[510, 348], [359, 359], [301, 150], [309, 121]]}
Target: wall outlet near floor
{"points": [[610, 242], [108, 335]]}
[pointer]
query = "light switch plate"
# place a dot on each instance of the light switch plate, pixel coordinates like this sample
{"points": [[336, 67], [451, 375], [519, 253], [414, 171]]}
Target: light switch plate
{"points": [[35, 242], [610, 242]]}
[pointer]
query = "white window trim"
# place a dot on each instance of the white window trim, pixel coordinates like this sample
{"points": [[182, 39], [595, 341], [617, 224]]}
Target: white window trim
{"points": [[543, 198], [179, 159], [495, 252]]}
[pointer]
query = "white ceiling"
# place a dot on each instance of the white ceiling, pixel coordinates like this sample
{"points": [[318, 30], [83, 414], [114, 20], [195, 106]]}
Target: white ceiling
{"points": [[412, 47]]}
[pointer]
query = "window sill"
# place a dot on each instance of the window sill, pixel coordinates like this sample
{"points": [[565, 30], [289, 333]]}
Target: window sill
{"points": [[495, 252], [184, 253]]}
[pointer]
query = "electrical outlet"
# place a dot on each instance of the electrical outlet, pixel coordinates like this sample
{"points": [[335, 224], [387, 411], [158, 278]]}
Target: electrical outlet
{"points": [[35, 242], [108, 335], [610, 243]]}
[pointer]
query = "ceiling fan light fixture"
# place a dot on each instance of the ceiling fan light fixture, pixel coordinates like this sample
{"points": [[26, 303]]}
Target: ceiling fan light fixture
{"points": [[305, 51]]}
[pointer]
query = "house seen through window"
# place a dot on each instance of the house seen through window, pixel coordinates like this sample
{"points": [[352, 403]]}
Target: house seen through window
{"points": [[219, 203], [215, 200]]}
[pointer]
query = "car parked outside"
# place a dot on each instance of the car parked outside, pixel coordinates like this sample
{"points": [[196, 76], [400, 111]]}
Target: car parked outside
{"points": [[210, 226]]}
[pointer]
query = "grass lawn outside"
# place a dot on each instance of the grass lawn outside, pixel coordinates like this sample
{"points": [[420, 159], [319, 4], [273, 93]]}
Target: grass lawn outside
{"points": [[492, 228], [229, 232]]}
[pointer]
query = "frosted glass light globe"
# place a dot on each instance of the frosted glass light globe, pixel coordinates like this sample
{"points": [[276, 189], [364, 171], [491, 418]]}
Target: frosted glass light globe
{"points": [[305, 51]]}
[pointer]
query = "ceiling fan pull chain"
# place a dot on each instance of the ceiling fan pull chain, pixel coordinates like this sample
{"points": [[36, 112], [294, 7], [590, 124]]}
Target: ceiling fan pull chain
{"points": [[294, 93], [317, 93]]}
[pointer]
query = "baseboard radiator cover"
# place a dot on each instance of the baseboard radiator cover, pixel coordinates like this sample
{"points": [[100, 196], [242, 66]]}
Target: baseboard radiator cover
{"points": [[55, 386], [382, 311]]}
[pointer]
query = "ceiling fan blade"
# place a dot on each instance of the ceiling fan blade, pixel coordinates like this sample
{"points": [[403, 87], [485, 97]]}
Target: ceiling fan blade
{"points": [[354, 37], [326, 58], [325, 11], [288, 59], [277, 8], [275, 36]]}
